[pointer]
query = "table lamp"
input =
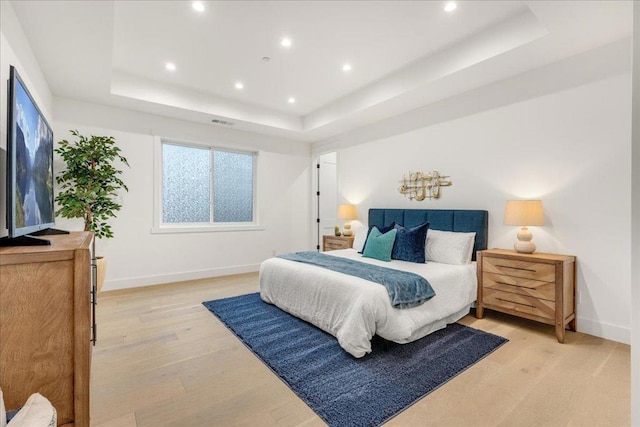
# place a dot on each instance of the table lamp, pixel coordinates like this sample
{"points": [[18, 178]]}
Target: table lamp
{"points": [[524, 213], [347, 212]]}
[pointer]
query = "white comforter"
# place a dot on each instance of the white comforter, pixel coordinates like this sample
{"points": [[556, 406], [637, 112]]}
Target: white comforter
{"points": [[354, 309]]}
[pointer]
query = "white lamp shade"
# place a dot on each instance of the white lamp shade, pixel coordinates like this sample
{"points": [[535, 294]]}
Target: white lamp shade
{"points": [[523, 212], [347, 212]]}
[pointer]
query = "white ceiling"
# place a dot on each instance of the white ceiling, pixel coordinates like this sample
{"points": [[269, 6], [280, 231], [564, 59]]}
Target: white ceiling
{"points": [[404, 55]]}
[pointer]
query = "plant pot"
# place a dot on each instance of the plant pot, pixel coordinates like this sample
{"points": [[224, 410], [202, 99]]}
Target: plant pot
{"points": [[101, 271]]}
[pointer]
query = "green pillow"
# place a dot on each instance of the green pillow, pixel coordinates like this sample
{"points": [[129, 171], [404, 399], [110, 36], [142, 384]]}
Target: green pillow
{"points": [[379, 246]]}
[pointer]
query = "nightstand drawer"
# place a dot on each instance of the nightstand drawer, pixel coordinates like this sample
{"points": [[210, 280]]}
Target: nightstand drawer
{"points": [[517, 268], [336, 244], [332, 243], [519, 285], [519, 303]]}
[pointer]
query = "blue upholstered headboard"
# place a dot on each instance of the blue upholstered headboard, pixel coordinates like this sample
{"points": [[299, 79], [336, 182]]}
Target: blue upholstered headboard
{"points": [[439, 219]]}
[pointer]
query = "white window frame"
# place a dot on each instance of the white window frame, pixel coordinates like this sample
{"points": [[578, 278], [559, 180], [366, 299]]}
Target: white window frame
{"points": [[160, 227]]}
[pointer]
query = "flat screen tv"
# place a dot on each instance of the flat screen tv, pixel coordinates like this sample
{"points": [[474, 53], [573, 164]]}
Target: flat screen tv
{"points": [[29, 167]]}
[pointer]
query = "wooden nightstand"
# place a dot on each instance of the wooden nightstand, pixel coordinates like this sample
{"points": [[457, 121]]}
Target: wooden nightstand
{"points": [[539, 287], [331, 243]]}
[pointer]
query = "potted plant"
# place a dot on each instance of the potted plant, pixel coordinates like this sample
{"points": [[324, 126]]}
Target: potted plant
{"points": [[89, 185]]}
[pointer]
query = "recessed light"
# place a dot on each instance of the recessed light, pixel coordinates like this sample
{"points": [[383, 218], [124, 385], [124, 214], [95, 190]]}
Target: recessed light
{"points": [[239, 85], [346, 67], [170, 66], [286, 42], [292, 100], [198, 6], [450, 6]]}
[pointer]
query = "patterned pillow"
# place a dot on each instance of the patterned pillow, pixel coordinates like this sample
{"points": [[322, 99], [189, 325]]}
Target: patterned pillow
{"points": [[3, 412], [409, 245], [379, 245], [37, 412]]}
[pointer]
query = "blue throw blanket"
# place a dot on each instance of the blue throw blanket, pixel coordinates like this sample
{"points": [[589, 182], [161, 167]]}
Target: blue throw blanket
{"points": [[405, 289]]}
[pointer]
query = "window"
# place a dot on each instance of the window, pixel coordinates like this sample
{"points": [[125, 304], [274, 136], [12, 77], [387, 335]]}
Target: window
{"points": [[186, 184], [204, 188]]}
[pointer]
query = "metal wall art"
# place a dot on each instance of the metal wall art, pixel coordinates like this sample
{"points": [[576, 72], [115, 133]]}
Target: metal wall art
{"points": [[419, 186]]}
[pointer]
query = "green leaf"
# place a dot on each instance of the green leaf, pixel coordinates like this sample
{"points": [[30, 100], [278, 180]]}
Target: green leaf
{"points": [[90, 183]]}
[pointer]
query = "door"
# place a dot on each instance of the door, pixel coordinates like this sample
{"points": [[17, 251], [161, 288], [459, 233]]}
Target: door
{"points": [[327, 195]]}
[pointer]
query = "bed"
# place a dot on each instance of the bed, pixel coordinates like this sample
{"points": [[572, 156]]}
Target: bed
{"points": [[353, 309]]}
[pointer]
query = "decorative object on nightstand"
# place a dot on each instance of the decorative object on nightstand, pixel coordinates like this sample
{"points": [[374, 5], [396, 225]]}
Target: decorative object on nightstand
{"points": [[524, 213], [538, 287], [347, 212], [331, 243]]}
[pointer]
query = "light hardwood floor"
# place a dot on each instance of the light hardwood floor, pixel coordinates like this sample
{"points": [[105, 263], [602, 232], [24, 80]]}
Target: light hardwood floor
{"points": [[162, 359]]}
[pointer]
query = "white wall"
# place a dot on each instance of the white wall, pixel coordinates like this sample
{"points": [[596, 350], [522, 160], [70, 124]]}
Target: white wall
{"points": [[136, 257], [570, 148], [15, 50], [635, 220]]}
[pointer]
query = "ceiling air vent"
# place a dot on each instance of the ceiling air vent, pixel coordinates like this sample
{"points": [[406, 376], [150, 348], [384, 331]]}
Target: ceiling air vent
{"points": [[222, 122]]}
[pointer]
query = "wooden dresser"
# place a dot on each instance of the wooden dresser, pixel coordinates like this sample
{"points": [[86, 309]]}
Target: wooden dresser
{"points": [[331, 243], [539, 287], [46, 324]]}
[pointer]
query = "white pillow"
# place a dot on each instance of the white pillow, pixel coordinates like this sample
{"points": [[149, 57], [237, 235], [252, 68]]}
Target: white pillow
{"points": [[359, 238], [449, 247], [3, 412], [37, 412]]}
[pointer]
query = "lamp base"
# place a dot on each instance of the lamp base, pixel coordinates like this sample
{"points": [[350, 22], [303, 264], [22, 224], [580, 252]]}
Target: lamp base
{"points": [[524, 245], [347, 229]]}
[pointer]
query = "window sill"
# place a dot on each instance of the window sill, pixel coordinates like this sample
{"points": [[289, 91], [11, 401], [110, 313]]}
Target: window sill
{"points": [[170, 229]]}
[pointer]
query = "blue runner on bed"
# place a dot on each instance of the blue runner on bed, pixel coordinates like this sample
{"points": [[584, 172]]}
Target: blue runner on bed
{"points": [[405, 289]]}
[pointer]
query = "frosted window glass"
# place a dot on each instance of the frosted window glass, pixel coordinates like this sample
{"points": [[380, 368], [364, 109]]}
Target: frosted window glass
{"points": [[233, 187], [186, 184]]}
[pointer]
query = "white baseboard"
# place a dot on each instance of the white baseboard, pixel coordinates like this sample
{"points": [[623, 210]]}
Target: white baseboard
{"points": [[138, 282], [604, 330], [587, 326]]}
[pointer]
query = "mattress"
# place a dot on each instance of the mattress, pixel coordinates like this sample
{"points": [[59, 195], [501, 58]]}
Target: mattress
{"points": [[354, 309]]}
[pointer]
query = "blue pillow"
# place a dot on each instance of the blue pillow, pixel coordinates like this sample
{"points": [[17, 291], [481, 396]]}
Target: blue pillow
{"points": [[379, 246], [409, 245], [382, 231]]}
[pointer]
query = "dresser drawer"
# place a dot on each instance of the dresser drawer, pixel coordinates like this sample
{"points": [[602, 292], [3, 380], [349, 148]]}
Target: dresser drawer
{"points": [[517, 268], [511, 302], [519, 285]]}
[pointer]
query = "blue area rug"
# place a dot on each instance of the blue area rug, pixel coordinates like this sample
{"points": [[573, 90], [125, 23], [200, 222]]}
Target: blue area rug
{"points": [[342, 390]]}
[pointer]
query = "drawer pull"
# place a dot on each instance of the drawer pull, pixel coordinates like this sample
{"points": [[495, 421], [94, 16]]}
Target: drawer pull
{"points": [[514, 302], [513, 286], [517, 268], [507, 284]]}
